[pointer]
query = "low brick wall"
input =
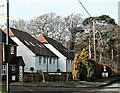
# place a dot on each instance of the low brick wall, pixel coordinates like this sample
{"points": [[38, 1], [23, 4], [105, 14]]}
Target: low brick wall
{"points": [[52, 76]]}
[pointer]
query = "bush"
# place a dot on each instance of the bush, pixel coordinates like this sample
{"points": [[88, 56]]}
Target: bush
{"points": [[82, 73], [39, 76], [85, 70]]}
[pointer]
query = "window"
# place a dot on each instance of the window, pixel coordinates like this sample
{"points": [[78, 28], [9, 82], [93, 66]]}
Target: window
{"points": [[39, 45], [68, 61], [26, 42], [40, 60], [3, 52], [72, 62], [50, 60], [13, 68], [12, 50], [104, 68], [44, 60], [3, 70], [53, 61], [31, 43]]}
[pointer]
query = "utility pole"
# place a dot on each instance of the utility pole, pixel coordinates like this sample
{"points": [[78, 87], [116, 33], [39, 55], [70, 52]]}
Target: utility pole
{"points": [[7, 46], [94, 30], [94, 45], [89, 49], [112, 54]]}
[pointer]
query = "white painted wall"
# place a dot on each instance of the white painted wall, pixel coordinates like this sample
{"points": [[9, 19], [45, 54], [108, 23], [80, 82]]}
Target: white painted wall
{"points": [[52, 67], [61, 60], [28, 56], [31, 60], [69, 65], [46, 66], [41, 66]]}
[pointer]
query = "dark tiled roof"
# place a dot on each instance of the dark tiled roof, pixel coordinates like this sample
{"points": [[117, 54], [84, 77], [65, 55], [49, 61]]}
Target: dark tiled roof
{"points": [[3, 38], [17, 61], [33, 44], [60, 47]]}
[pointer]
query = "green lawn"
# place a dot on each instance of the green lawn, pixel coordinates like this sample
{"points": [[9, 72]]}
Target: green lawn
{"points": [[2, 89], [2, 92]]}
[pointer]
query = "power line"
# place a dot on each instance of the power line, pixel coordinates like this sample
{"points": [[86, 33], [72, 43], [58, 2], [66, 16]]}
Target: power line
{"points": [[84, 7]]}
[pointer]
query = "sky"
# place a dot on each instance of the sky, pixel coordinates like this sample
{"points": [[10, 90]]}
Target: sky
{"points": [[28, 9]]}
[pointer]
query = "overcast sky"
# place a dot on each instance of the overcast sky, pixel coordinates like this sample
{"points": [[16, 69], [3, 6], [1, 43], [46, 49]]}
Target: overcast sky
{"points": [[27, 9]]}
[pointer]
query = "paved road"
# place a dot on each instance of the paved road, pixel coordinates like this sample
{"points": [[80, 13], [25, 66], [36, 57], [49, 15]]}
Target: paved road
{"points": [[112, 88], [26, 89]]}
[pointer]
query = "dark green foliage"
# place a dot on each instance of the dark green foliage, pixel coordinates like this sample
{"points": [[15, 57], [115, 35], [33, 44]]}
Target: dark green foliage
{"points": [[88, 20], [105, 19], [74, 31], [82, 72], [101, 19], [86, 71]]}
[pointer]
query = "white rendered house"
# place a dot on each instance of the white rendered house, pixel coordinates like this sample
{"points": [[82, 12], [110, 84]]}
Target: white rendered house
{"points": [[65, 61], [34, 53]]}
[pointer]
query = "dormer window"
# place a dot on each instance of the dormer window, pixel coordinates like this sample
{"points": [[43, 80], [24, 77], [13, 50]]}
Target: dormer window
{"points": [[12, 50], [26, 42], [31, 43]]}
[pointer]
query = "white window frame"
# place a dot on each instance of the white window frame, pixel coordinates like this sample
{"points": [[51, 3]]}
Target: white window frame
{"points": [[26, 42], [12, 50], [31, 43], [3, 69], [104, 68], [68, 61]]}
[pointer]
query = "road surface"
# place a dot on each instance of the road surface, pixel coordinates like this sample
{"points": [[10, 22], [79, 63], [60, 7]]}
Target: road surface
{"points": [[112, 88], [26, 89]]}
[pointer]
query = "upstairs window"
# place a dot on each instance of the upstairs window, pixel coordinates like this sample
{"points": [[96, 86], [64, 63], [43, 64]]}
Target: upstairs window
{"points": [[12, 50]]}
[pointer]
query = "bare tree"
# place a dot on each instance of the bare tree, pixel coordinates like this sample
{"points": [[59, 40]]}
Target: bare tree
{"points": [[51, 25], [40, 25], [20, 24], [74, 24]]}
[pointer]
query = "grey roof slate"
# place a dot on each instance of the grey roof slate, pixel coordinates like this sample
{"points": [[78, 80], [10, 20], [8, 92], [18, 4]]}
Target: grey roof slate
{"points": [[33, 44], [17, 61], [60, 47], [3, 38]]}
